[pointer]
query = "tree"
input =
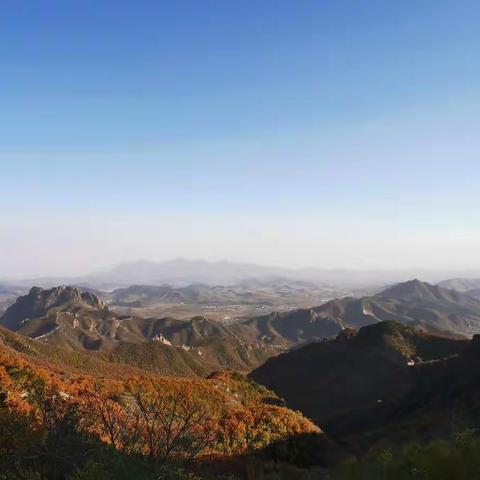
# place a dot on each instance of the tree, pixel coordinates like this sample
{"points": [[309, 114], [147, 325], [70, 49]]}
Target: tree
{"points": [[174, 422]]}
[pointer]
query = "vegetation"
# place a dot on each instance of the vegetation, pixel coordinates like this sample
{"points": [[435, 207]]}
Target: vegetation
{"points": [[457, 459], [66, 414], [56, 424]]}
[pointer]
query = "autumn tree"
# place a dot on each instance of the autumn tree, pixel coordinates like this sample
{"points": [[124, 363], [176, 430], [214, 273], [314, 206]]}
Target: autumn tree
{"points": [[174, 421], [102, 413]]}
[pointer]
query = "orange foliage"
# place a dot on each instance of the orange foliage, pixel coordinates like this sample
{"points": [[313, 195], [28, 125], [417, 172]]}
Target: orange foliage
{"points": [[161, 417]]}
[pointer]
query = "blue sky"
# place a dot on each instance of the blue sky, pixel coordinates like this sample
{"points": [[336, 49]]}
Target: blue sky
{"points": [[309, 133]]}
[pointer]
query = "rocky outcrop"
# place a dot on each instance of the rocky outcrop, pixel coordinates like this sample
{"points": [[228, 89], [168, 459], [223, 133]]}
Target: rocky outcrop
{"points": [[39, 302]]}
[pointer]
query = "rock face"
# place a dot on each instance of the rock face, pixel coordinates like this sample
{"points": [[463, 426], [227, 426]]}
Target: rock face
{"points": [[39, 302]]}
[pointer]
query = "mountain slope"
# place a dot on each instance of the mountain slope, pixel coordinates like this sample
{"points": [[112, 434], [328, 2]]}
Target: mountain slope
{"points": [[328, 377], [461, 284], [433, 306], [75, 320], [413, 302], [380, 382], [475, 293], [96, 413], [182, 272], [283, 329], [67, 317], [40, 302]]}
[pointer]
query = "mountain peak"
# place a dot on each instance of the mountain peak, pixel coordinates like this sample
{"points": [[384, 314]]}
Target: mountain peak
{"points": [[38, 302], [414, 289]]}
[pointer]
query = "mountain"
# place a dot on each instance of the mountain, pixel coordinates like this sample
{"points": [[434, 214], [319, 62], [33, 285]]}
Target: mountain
{"points": [[380, 382], [475, 293], [412, 302], [433, 306], [78, 320], [461, 284], [285, 329], [40, 302], [205, 345], [8, 295], [469, 286], [182, 272], [416, 290], [436, 308], [72, 319]]}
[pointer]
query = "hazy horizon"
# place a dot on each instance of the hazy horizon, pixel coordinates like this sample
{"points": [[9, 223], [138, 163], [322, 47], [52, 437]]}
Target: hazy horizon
{"points": [[369, 275], [315, 134]]}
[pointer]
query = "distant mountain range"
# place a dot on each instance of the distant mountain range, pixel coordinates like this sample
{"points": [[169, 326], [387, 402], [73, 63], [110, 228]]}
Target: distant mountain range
{"points": [[412, 302], [475, 293], [461, 284], [470, 286], [8, 294], [183, 272]]}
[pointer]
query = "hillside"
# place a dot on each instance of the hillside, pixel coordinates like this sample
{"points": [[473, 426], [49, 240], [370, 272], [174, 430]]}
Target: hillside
{"points": [[58, 423], [283, 329], [413, 302], [475, 293], [39, 303], [461, 284], [70, 317], [360, 366], [385, 382], [435, 307], [78, 321]]}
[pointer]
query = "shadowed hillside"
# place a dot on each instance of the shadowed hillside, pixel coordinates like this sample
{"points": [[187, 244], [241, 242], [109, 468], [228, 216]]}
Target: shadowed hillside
{"points": [[384, 382]]}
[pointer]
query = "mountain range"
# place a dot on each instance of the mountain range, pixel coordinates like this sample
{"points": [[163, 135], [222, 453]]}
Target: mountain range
{"points": [[461, 284], [183, 272], [370, 371], [413, 302], [470, 286], [79, 321]]}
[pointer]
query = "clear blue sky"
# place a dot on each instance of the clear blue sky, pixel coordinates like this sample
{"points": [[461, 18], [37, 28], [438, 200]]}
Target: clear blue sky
{"points": [[323, 133]]}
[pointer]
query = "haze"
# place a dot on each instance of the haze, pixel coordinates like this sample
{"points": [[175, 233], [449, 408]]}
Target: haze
{"points": [[323, 134]]}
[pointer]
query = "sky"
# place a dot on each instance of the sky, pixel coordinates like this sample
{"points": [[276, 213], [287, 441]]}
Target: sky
{"points": [[326, 133]]}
